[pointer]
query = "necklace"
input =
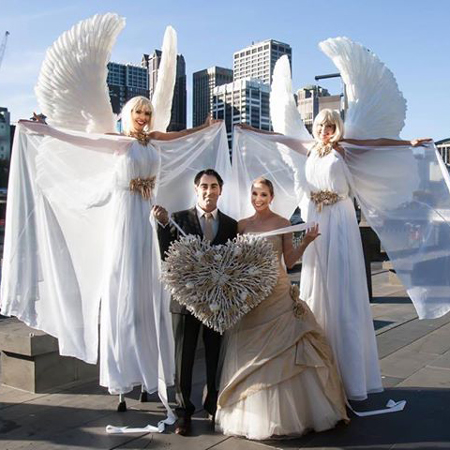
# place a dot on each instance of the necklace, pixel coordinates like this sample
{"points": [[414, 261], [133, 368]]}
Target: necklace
{"points": [[323, 149], [142, 137]]}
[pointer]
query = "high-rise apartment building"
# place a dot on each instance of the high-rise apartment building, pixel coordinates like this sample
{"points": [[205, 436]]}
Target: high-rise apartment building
{"points": [[258, 60], [312, 99], [179, 102], [204, 82], [5, 138], [124, 82], [242, 101], [443, 147]]}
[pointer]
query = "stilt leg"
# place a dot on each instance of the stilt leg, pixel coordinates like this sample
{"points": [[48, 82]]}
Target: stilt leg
{"points": [[122, 406]]}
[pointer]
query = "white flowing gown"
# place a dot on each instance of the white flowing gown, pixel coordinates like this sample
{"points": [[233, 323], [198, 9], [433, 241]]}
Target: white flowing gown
{"points": [[333, 280], [128, 338]]}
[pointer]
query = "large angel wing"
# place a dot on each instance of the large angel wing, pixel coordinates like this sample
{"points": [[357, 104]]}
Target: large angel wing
{"points": [[162, 98], [283, 111], [71, 89], [376, 107]]}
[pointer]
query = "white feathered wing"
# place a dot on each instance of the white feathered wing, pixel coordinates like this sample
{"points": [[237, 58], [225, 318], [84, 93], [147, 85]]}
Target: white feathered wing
{"points": [[283, 111], [72, 90], [376, 107], [163, 95]]}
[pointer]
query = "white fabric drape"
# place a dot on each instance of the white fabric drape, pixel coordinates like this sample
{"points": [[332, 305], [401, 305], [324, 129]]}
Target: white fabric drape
{"points": [[70, 214], [404, 193]]}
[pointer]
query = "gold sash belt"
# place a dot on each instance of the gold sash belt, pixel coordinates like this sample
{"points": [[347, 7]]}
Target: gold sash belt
{"points": [[143, 186], [324, 198]]}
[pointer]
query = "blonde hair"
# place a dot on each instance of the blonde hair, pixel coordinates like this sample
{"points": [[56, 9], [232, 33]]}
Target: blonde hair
{"points": [[265, 182], [329, 117], [130, 106]]}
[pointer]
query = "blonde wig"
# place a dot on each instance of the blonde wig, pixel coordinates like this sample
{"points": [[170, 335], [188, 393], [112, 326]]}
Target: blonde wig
{"points": [[130, 106], [329, 117]]}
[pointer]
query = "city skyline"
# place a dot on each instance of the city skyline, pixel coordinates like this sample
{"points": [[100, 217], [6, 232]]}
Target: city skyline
{"points": [[415, 48]]}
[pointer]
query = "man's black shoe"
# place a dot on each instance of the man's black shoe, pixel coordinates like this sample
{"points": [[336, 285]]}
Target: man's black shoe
{"points": [[183, 426]]}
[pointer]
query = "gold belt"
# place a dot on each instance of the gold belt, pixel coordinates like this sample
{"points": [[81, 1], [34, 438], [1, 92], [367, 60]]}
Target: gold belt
{"points": [[143, 186], [324, 198]]}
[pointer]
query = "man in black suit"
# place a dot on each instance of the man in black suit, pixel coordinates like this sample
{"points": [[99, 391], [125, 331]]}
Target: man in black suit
{"points": [[204, 219]]}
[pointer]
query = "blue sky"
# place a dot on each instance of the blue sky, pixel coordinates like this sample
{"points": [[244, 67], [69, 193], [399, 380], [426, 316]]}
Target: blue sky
{"points": [[411, 36]]}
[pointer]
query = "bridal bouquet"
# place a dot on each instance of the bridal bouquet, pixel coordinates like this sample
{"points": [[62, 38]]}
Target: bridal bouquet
{"points": [[220, 283]]}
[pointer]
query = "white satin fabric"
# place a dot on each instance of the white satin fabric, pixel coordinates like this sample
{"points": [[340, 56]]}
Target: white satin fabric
{"points": [[76, 237]]}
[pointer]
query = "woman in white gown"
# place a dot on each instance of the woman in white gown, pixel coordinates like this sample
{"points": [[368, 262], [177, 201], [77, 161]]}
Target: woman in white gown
{"points": [[129, 345], [135, 342], [333, 280], [278, 376], [78, 241]]}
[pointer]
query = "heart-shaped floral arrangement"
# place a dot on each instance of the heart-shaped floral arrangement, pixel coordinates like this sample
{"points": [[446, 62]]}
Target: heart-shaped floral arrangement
{"points": [[220, 283]]}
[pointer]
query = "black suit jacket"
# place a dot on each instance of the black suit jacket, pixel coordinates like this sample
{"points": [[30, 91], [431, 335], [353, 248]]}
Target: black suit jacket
{"points": [[189, 223]]}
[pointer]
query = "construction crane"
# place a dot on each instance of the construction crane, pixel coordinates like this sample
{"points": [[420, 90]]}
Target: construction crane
{"points": [[3, 46]]}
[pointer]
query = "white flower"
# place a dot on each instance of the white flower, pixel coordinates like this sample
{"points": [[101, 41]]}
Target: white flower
{"points": [[189, 285], [237, 251], [243, 295], [218, 257], [198, 253], [214, 307], [252, 270]]}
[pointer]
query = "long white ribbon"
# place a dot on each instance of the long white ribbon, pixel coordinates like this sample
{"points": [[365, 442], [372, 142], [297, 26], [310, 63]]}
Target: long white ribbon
{"points": [[391, 407], [291, 229], [169, 420]]}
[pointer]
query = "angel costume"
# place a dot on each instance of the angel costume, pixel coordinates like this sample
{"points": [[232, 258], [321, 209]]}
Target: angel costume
{"points": [[278, 376], [403, 193], [78, 232]]}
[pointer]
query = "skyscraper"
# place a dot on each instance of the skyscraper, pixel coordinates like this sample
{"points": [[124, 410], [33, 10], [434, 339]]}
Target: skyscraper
{"points": [[204, 82], [258, 60], [5, 140], [124, 82], [312, 99], [152, 62], [242, 101]]}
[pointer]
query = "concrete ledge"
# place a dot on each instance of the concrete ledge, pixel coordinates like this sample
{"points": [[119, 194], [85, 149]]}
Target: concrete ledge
{"points": [[393, 278], [16, 337], [30, 360]]}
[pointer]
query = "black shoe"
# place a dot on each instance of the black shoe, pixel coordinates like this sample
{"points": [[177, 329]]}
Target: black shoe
{"points": [[212, 419], [122, 407], [183, 426]]}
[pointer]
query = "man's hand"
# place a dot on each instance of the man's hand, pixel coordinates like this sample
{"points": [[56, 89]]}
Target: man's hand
{"points": [[160, 214]]}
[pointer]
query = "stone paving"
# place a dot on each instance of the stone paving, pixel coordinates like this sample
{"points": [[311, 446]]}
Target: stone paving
{"points": [[415, 363]]}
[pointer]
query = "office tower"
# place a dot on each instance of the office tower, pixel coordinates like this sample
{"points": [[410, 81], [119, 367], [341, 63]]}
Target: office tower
{"points": [[443, 147], [258, 60], [312, 99], [5, 138], [124, 82], [242, 101], [178, 115], [204, 82]]}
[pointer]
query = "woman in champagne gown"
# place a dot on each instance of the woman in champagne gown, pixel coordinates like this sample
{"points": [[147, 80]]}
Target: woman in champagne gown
{"points": [[278, 377]]}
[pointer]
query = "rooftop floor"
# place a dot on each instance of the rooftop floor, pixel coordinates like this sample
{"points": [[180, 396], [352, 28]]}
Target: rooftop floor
{"points": [[415, 363]]}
